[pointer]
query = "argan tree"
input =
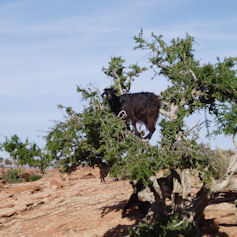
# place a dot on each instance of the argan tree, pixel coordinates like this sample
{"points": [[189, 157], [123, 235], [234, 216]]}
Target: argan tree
{"points": [[96, 137], [25, 153], [194, 87]]}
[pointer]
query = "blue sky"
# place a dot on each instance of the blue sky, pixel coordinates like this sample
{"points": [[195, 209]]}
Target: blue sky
{"points": [[49, 47]]}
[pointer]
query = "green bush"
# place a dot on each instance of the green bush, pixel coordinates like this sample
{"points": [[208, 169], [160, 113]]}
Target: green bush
{"points": [[165, 226], [15, 176], [35, 177], [12, 176]]}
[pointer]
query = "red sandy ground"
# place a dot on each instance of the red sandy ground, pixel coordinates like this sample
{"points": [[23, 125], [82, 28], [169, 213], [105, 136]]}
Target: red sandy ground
{"points": [[85, 207]]}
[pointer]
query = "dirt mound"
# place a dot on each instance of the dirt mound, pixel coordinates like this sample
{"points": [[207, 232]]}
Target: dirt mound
{"points": [[79, 205]]}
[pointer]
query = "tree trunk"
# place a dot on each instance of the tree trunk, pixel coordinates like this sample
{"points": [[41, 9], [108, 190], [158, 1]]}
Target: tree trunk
{"points": [[190, 209], [234, 139]]}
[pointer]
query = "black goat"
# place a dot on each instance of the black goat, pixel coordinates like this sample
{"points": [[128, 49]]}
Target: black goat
{"points": [[133, 201], [136, 107]]}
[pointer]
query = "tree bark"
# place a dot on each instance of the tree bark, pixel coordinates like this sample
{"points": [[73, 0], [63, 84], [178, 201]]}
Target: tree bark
{"points": [[190, 209], [234, 139]]}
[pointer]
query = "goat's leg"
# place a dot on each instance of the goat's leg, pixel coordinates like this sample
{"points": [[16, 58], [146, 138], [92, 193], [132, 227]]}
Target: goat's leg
{"points": [[151, 129], [136, 131], [132, 127], [129, 125], [134, 124], [148, 136]]}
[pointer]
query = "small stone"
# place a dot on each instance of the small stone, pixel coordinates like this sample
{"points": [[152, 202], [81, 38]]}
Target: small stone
{"points": [[56, 183], [7, 212], [2, 181]]}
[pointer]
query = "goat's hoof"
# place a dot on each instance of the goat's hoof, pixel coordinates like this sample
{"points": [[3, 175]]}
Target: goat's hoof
{"points": [[145, 139]]}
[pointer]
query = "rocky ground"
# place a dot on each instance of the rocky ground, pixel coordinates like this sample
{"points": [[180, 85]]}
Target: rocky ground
{"points": [[53, 206]]}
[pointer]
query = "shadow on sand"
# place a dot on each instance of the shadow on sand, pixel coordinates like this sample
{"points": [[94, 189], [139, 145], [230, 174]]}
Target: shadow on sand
{"points": [[121, 230], [209, 228]]}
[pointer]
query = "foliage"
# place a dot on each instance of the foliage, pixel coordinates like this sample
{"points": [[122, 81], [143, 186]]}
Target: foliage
{"points": [[122, 76], [97, 137], [25, 153], [193, 86], [8, 162], [15, 176], [11, 176], [94, 137], [35, 177], [164, 226], [227, 119]]}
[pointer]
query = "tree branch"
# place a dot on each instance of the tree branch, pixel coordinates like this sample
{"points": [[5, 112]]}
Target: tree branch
{"points": [[234, 139], [165, 113], [223, 185], [171, 114], [193, 75], [162, 66], [118, 78]]}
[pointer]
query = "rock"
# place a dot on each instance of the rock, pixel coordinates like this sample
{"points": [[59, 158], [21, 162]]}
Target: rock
{"points": [[40, 196], [56, 183], [7, 212], [6, 204], [26, 177], [40, 202], [57, 201], [146, 195], [20, 208], [2, 181], [5, 195], [36, 189], [27, 202]]}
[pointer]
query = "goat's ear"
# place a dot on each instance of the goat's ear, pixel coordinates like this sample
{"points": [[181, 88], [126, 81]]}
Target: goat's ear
{"points": [[105, 93]]}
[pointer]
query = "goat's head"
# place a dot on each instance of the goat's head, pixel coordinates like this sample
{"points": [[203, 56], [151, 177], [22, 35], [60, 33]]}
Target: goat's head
{"points": [[109, 93]]}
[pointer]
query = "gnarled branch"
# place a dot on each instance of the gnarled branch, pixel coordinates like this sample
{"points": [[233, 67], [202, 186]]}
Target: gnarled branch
{"points": [[234, 139], [118, 78]]}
